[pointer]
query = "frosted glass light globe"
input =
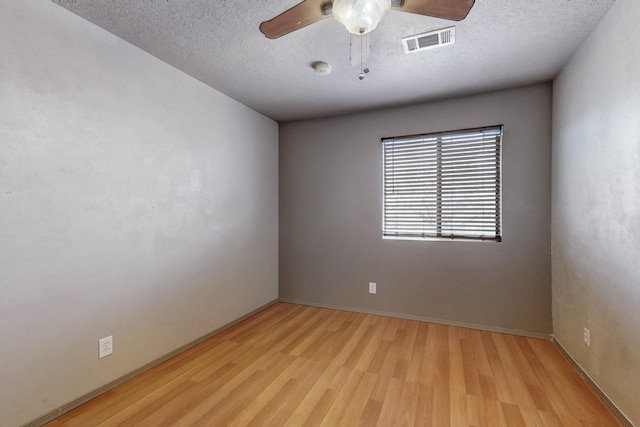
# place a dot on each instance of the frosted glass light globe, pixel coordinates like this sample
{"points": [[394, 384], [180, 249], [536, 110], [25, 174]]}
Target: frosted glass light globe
{"points": [[360, 16]]}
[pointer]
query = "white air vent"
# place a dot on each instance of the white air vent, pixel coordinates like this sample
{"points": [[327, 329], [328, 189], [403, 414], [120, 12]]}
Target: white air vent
{"points": [[429, 40]]}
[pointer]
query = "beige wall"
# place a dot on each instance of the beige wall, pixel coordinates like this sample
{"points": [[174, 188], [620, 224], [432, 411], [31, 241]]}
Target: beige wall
{"points": [[596, 205], [134, 202], [330, 218]]}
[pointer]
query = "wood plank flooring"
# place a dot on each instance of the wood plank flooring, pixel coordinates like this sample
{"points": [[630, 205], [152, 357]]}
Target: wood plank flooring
{"points": [[293, 365]]}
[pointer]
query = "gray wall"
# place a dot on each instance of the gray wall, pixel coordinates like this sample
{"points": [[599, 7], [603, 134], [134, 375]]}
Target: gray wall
{"points": [[596, 205], [134, 202], [330, 218]]}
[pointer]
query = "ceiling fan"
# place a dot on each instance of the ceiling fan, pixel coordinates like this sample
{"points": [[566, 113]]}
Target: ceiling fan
{"points": [[359, 16]]}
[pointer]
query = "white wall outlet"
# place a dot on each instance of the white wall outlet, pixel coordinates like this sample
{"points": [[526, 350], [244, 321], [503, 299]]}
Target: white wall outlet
{"points": [[372, 288], [587, 337], [105, 346]]}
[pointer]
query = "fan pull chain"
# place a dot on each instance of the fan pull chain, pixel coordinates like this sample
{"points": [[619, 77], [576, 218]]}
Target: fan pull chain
{"points": [[363, 70]]}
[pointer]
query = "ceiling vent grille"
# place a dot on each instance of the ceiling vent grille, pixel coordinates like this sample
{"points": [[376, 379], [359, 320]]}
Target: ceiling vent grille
{"points": [[438, 38]]}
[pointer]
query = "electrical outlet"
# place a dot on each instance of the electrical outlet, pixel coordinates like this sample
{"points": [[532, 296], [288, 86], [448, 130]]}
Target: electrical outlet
{"points": [[105, 347], [372, 288], [587, 337]]}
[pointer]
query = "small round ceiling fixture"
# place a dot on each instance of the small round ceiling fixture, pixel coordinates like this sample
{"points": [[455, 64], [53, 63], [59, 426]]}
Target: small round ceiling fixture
{"points": [[322, 68]]}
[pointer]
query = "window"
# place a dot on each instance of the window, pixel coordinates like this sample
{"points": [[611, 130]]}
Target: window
{"points": [[443, 185]]}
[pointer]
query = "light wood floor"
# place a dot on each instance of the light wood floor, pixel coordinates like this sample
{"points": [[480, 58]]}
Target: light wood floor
{"points": [[294, 365]]}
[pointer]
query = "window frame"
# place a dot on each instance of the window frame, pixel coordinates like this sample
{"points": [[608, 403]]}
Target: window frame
{"points": [[436, 232]]}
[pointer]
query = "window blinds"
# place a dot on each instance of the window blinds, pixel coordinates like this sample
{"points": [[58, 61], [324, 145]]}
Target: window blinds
{"points": [[445, 185]]}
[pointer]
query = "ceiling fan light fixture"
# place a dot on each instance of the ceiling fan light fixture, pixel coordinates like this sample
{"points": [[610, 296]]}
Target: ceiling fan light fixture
{"points": [[360, 16]]}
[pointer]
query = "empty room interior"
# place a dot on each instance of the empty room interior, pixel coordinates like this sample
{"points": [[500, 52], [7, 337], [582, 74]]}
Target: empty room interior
{"points": [[207, 215]]}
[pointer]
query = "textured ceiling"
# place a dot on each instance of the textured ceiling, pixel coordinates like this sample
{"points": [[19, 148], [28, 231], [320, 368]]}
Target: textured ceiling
{"points": [[501, 43]]}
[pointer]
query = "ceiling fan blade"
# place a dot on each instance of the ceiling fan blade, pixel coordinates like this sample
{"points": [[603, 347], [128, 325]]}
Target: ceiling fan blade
{"points": [[300, 15], [455, 10]]}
